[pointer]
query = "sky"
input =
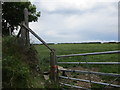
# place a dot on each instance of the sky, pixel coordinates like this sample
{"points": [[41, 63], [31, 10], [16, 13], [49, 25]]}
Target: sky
{"points": [[75, 21]]}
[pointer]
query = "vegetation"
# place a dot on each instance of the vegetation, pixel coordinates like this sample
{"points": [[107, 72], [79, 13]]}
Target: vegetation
{"points": [[12, 15], [65, 49], [20, 65]]}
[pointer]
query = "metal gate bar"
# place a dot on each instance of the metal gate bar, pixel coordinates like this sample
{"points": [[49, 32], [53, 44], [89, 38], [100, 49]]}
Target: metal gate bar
{"points": [[88, 63], [73, 86], [97, 73], [86, 54], [113, 85], [89, 72]]}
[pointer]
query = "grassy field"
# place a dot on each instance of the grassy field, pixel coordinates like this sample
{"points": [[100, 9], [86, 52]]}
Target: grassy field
{"points": [[65, 49]]}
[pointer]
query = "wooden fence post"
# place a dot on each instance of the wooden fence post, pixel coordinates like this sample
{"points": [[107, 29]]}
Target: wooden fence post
{"points": [[23, 35], [53, 67], [27, 24]]}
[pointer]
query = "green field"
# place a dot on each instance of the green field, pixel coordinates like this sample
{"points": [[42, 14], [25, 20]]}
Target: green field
{"points": [[65, 49]]}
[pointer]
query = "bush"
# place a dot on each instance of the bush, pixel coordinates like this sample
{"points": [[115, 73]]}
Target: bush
{"points": [[16, 70], [15, 73]]}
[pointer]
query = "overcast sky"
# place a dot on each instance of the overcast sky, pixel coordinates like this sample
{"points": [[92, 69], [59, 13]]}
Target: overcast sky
{"points": [[76, 20]]}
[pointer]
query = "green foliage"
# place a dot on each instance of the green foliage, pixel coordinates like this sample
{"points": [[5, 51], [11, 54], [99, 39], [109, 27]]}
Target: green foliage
{"points": [[9, 46], [13, 14], [44, 57], [51, 86], [15, 73], [19, 65]]}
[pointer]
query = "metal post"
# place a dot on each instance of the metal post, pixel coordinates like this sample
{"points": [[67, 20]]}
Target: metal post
{"points": [[27, 24], [53, 67]]}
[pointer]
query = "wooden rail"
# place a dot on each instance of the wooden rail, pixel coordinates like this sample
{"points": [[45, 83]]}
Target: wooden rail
{"points": [[53, 63], [24, 35], [30, 30]]}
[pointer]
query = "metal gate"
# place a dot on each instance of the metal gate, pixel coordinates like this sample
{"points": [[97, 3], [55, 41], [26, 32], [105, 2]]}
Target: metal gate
{"points": [[88, 71]]}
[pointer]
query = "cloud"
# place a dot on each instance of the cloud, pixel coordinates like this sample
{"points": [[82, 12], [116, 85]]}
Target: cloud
{"points": [[52, 5], [76, 20]]}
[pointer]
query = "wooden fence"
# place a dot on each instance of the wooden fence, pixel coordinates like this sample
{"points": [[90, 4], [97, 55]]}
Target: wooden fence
{"points": [[24, 35], [54, 70]]}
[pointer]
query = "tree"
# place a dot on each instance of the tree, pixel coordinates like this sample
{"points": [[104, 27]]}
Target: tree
{"points": [[12, 15]]}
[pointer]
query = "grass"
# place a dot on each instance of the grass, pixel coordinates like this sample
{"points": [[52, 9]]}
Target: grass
{"points": [[65, 49]]}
